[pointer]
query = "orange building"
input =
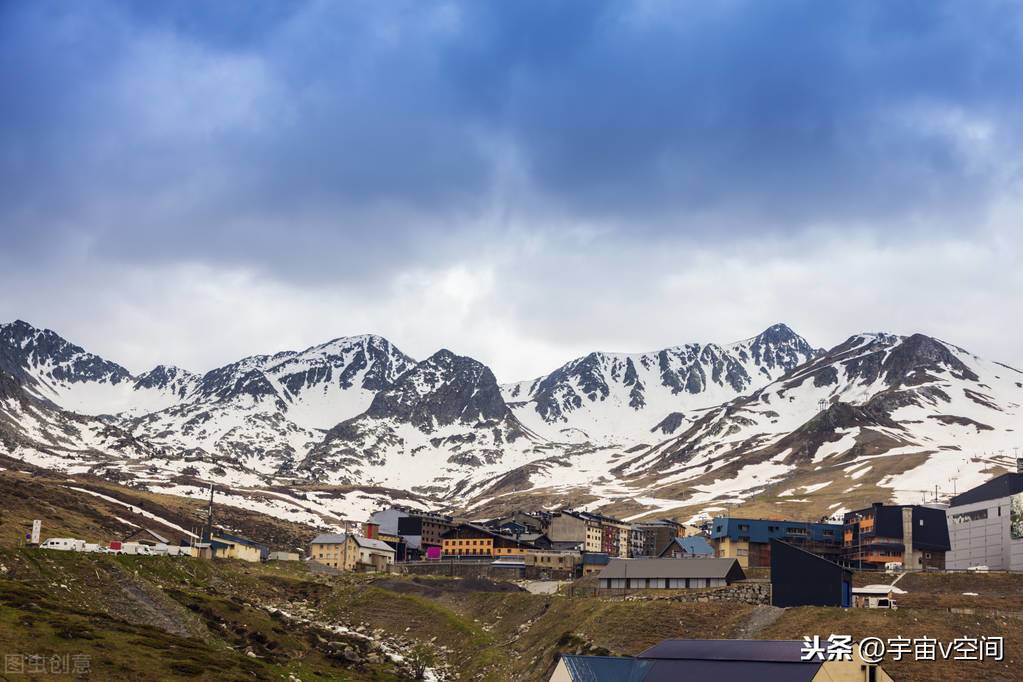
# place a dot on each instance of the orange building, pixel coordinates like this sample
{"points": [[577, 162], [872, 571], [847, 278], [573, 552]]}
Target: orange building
{"points": [[468, 540]]}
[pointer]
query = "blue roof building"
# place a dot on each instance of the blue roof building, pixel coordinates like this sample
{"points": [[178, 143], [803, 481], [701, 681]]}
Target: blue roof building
{"points": [[685, 548], [748, 540]]}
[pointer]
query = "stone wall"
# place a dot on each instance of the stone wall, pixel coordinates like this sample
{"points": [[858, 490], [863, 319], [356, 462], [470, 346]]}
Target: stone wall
{"points": [[745, 592], [459, 569]]}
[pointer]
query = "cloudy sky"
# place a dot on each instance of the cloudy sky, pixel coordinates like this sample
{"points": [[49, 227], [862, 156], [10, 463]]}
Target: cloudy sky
{"points": [[522, 182]]}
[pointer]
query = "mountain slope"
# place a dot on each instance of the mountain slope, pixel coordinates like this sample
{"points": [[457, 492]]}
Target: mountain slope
{"points": [[686, 430], [442, 421], [642, 398], [878, 413], [265, 412], [54, 369]]}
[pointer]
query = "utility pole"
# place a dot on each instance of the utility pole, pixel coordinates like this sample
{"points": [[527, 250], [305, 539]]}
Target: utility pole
{"points": [[209, 518]]}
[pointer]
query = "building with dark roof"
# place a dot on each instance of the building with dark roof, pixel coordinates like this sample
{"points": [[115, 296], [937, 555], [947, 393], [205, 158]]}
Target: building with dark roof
{"points": [[749, 540], [800, 578], [669, 573], [470, 540], [911, 535], [985, 526], [718, 660]]}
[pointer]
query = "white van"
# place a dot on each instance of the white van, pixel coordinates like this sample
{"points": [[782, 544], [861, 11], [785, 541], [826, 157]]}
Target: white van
{"points": [[64, 544], [893, 566]]}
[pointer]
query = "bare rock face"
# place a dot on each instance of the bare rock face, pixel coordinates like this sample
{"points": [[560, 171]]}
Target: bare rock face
{"points": [[443, 389]]}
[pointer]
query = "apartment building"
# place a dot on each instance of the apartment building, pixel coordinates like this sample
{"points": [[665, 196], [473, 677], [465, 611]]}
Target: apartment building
{"points": [[749, 540], [912, 535]]}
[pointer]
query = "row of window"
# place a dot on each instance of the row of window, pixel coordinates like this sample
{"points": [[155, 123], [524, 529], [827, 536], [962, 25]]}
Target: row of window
{"points": [[978, 515]]}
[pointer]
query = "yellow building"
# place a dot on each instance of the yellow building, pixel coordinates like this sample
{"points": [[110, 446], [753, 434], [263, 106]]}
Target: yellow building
{"points": [[727, 548], [335, 550], [351, 552], [234, 547], [468, 540]]}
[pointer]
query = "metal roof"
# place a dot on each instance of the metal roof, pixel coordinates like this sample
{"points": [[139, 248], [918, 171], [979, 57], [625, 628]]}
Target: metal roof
{"points": [[694, 544], [368, 543], [605, 668], [329, 539], [669, 568], [1002, 486], [339, 539]]}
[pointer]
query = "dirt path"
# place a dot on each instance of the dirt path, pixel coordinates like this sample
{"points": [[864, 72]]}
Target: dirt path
{"points": [[760, 618]]}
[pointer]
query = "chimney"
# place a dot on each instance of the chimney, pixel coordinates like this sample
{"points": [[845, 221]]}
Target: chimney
{"points": [[369, 529]]}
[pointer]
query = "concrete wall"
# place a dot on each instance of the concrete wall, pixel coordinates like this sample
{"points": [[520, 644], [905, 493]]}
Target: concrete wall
{"points": [[983, 542]]}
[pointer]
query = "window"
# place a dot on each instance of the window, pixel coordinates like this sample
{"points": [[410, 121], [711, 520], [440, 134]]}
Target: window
{"points": [[966, 517], [828, 533], [773, 529], [743, 527]]}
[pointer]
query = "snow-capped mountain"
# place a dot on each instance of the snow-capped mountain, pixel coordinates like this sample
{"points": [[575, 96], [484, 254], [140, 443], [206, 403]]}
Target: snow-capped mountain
{"points": [[441, 420], [877, 412], [679, 431], [266, 412], [53, 369], [645, 397]]}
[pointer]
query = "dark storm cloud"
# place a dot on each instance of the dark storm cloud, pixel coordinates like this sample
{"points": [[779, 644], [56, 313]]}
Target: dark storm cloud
{"points": [[337, 139]]}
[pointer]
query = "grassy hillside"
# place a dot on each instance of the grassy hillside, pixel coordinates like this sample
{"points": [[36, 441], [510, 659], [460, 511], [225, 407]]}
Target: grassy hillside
{"points": [[146, 618], [52, 497]]}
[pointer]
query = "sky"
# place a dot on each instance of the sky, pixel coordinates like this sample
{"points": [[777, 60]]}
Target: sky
{"points": [[522, 182]]}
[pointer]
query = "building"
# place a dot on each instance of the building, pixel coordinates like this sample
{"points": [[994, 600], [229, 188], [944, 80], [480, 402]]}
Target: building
{"points": [[373, 531], [520, 522], [580, 529], [695, 659], [669, 574], [658, 534], [284, 556], [637, 541], [615, 538], [694, 547], [594, 562], [468, 540], [373, 554], [551, 564], [348, 552], [911, 535], [227, 546], [336, 550], [799, 578], [418, 530], [423, 531], [875, 596], [749, 540], [590, 532], [985, 526]]}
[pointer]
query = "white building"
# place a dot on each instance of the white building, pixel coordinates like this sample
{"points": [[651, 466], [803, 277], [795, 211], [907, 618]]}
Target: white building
{"points": [[985, 526]]}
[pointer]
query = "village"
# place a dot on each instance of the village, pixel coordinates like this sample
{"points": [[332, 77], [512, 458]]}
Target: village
{"points": [[570, 544], [776, 563]]}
